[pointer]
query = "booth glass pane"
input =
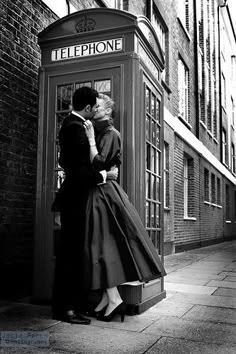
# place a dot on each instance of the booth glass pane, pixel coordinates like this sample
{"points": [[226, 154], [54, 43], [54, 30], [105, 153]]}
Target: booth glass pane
{"points": [[103, 86], [148, 162], [153, 238], [153, 186], [158, 110], [157, 221], [153, 216], [154, 127], [59, 178], [153, 159], [148, 130], [157, 143], [153, 106], [64, 97], [57, 155], [158, 189], [147, 100], [82, 84], [59, 119], [158, 235], [148, 184], [147, 214], [157, 169]]}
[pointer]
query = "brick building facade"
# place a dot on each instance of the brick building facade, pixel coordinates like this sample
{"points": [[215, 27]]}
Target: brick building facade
{"points": [[199, 100]]}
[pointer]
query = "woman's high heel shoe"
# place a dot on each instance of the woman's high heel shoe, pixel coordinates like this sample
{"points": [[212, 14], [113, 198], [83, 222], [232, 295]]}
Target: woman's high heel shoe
{"points": [[119, 310], [96, 314]]}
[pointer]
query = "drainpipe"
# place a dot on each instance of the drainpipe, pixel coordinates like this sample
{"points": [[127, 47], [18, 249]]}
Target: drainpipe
{"points": [[221, 5], [196, 67], [68, 6]]}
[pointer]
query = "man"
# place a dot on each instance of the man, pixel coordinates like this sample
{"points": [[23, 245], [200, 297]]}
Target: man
{"points": [[69, 297]]}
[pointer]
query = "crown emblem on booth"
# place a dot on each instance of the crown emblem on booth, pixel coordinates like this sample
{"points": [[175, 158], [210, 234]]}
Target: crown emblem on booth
{"points": [[85, 25]]}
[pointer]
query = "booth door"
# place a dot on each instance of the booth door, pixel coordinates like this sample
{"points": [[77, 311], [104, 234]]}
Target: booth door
{"points": [[153, 152], [61, 89]]}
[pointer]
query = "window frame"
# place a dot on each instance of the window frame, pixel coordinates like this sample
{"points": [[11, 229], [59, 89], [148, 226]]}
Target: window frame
{"points": [[213, 189], [166, 175], [232, 112], [218, 186], [183, 91], [186, 187], [224, 146], [206, 185], [183, 14], [227, 202], [223, 91], [233, 165], [153, 14]]}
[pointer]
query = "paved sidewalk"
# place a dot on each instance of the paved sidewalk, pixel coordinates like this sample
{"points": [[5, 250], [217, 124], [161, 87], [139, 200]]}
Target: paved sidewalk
{"points": [[198, 315]]}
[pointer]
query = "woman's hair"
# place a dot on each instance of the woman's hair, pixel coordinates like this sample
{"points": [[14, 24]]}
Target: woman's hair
{"points": [[109, 103]]}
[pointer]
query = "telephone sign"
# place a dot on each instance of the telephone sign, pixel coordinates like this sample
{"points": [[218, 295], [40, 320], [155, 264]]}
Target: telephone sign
{"points": [[88, 49]]}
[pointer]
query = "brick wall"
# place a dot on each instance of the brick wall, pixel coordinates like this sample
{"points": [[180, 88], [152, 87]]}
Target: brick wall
{"points": [[19, 62], [185, 230]]}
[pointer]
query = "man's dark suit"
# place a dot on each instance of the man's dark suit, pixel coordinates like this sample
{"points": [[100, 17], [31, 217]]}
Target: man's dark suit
{"points": [[68, 292]]}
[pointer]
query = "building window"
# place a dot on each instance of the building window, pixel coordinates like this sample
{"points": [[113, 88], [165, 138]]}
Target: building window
{"points": [[166, 176], [159, 28], [199, 5], [184, 13], [232, 112], [213, 188], [218, 191], [206, 185], [215, 122], [162, 34], [223, 91], [117, 4], [233, 158], [227, 202], [233, 68], [224, 147], [207, 76], [183, 86], [60, 7], [209, 103], [188, 187]]}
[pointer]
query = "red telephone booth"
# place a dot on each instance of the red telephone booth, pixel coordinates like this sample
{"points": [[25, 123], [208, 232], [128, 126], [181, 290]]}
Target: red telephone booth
{"points": [[118, 54]]}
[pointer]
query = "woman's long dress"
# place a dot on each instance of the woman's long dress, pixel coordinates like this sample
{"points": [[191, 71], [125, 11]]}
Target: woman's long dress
{"points": [[117, 246]]}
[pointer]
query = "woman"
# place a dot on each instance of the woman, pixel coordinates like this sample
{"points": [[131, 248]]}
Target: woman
{"points": [[117, 247]]}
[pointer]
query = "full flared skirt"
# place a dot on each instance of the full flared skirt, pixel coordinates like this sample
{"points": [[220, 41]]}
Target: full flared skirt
{"points": [[117, 248]]}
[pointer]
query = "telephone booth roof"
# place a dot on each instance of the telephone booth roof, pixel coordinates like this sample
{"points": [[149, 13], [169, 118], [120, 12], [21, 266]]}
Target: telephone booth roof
{"points": [[99, 21]]}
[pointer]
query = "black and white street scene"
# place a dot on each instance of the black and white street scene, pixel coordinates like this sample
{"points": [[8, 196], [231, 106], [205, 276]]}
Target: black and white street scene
{"points": [[118, 176]]}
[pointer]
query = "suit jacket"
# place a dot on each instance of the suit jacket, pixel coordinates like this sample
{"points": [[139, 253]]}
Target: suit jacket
{"points": [[75, 160]]}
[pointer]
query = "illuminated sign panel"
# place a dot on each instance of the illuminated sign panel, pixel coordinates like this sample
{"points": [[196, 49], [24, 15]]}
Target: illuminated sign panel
{"points": [[88, 49]]}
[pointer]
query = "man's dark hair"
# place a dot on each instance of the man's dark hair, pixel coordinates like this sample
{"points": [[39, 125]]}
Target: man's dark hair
{"points": [[84, 96]]}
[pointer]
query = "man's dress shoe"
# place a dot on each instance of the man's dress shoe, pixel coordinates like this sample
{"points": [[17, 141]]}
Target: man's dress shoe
{"points": [[74, 319]]}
